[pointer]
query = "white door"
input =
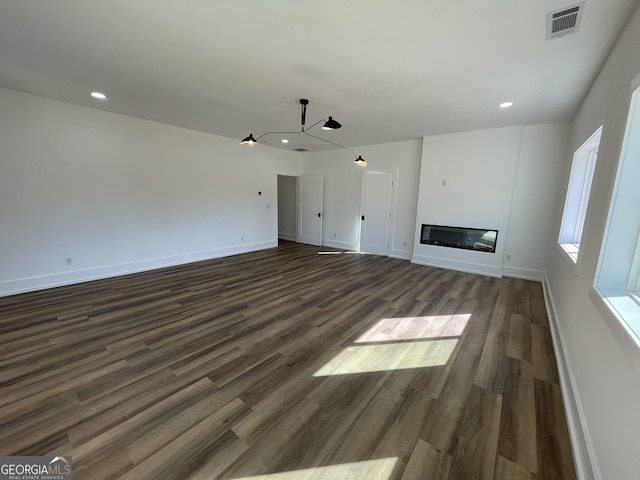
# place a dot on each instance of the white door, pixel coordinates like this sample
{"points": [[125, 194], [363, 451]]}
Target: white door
{"points": [[377, 190], [310, 211]]}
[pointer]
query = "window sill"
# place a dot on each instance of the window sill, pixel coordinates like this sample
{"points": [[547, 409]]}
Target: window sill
{"points": [[622, 315], [570, 254]]}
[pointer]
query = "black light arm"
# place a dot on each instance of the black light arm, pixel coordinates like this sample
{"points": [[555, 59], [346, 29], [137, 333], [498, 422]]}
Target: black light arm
{"points": [[330, 124], [270, 133], [332, 143], [321, 120]]}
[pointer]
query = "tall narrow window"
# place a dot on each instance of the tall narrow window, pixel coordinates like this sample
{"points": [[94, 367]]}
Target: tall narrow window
{"points": [[577, 200], [616, 290], [633, 284]]}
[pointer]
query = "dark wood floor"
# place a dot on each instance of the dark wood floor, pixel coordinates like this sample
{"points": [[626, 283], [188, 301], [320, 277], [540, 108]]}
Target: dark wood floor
{"points": [[286, 362]]}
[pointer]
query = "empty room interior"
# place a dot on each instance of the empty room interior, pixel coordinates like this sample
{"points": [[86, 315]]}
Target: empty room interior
{"points": [[294, 240]]}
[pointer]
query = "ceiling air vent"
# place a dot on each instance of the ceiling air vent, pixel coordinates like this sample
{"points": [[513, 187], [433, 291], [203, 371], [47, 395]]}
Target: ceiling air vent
{"points": [[565, 21], [301, 150]]}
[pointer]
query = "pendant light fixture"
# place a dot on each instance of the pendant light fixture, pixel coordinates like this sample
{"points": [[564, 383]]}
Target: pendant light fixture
{"points": [[360, 161], [249, 140], [330, 124]]}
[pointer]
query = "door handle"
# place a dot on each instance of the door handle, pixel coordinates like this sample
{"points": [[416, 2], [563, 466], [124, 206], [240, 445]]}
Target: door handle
{"points": [[362, 217], [319, 215]]}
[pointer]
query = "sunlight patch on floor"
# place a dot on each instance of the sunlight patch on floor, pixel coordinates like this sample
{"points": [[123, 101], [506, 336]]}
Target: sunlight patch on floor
{"points": [[380, 469], [416, 328], [389, 356]]}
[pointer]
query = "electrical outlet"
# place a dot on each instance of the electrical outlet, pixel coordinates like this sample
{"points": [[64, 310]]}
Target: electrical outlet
{"points": [[335, 235], [68, 260], [508, 257], [242, 238], [444, 182], [404, 244]]}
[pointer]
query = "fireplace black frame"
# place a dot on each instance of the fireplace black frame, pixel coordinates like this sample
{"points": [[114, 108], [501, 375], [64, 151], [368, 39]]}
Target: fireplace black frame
{"points": [[466, 238]]}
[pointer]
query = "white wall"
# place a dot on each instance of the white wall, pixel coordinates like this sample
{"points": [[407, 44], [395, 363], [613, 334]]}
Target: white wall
{"points": [[120, 194], [287, 208], [504, 179], [535, 192], [605, 384], [342, 185], [479, 169]]}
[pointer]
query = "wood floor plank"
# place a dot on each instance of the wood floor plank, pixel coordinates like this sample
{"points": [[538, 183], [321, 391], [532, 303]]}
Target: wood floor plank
{"points": [[362, 436], [288, 363], [225, 451], [554, 458], [264, 454], [544, 366], [519, 344], [402, 431], [507, 470], [175, 459], [474, 454], [427, 463], [518, 418], [491, 367], [143, 417], [440, 428], [342, 403]]}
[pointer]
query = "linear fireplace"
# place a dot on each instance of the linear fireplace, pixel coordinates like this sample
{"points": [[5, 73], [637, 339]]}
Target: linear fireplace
{"points": [[459, 237]]}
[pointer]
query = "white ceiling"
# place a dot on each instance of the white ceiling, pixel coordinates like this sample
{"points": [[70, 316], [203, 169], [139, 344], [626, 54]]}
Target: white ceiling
{"points": [[387, 70]]}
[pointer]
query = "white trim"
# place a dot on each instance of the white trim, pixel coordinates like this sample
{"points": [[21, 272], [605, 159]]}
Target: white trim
{"points": [[582, 445], [592, 156], [633, 283], [288, 236], [523, 273], [340, 245], [618, 309], [400, 254], [22, 285], [572, 262], [319, 203], [578, 199], [391, 228], [457, 265]]}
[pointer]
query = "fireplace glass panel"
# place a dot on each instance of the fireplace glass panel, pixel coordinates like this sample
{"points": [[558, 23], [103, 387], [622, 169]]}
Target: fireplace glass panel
{"points": [[459, 237]]}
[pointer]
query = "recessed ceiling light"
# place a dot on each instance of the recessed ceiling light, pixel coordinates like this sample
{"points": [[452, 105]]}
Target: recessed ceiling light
{"points": [[506, 104], [284, 140], [99, 95]]}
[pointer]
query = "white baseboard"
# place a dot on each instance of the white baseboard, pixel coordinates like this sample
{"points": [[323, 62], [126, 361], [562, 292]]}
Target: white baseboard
{"points": [[287, 236], [582, 446], [22, 285], [401, 254], [523, 273], [468, 267], [339, 244]]}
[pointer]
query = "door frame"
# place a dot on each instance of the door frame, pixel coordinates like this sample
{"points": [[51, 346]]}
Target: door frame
{"points": [[300, 206], [394, 194], [293, 237]]}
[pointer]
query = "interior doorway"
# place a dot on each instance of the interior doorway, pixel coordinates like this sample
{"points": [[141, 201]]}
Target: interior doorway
{"points": [[287, 208]]}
